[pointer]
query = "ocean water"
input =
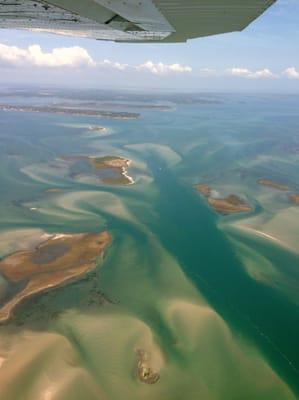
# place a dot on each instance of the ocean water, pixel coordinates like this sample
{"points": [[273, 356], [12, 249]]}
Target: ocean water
{"points": [[213, 300]]}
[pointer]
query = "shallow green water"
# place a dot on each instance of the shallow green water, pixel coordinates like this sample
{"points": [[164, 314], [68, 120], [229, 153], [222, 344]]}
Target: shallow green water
{"points": [[172, 257]]}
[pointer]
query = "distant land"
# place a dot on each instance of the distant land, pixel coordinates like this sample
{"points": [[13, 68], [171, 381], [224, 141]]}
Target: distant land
{"points": [[117, 105], [70, 111]]}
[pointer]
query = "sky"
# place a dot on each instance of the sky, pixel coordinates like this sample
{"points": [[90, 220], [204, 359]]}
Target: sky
{"points": [[262, 58]]}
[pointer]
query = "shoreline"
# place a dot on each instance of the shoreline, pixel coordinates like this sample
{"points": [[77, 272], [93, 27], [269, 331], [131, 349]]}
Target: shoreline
{"points": [[125, 172]]}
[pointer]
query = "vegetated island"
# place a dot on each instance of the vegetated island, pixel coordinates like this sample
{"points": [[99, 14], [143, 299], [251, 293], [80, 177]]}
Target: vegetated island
{"points": [[71, 111], [272, 184], [231, 204], [116, 166], [59, 259], [144, 371], [294, 198]]}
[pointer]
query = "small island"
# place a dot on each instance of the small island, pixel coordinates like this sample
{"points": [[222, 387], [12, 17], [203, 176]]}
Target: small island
{"points": [[57, 260], [112, 170], [231, 204], [144, 371], [203, 189], [54, 190], [97, 128], [294, 198], [272, 184]]}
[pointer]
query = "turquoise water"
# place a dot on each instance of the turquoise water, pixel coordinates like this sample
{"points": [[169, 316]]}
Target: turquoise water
{"points": [[172, 258]]}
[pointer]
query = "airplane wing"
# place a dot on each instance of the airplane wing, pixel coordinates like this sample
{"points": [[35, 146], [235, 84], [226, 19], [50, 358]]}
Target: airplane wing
{"points": [[132, 20]]}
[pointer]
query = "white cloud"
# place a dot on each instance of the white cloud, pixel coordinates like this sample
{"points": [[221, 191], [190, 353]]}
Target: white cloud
{"points": [[291, 73], [263, 73], [114, 65], [160, 68], [35, 56], [75, 57], [243, 72], [247, 73]]}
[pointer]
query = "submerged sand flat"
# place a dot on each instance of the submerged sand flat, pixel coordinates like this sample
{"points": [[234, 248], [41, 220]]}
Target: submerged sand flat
{"points": [[53, 262], [97, 355], [280, 228], [207, 361]]}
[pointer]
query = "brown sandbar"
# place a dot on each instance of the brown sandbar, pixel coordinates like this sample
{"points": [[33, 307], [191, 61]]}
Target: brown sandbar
{"points": [[231, 204], [272, 184], [294, 198]]}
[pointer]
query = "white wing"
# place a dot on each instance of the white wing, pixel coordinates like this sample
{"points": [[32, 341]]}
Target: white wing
{"points": [[132, 20]]}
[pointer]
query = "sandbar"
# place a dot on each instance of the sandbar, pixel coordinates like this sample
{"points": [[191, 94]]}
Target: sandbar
{"points": [[294, 198], [273, 184], [203, 189], [54, 190], [97, 128]]}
